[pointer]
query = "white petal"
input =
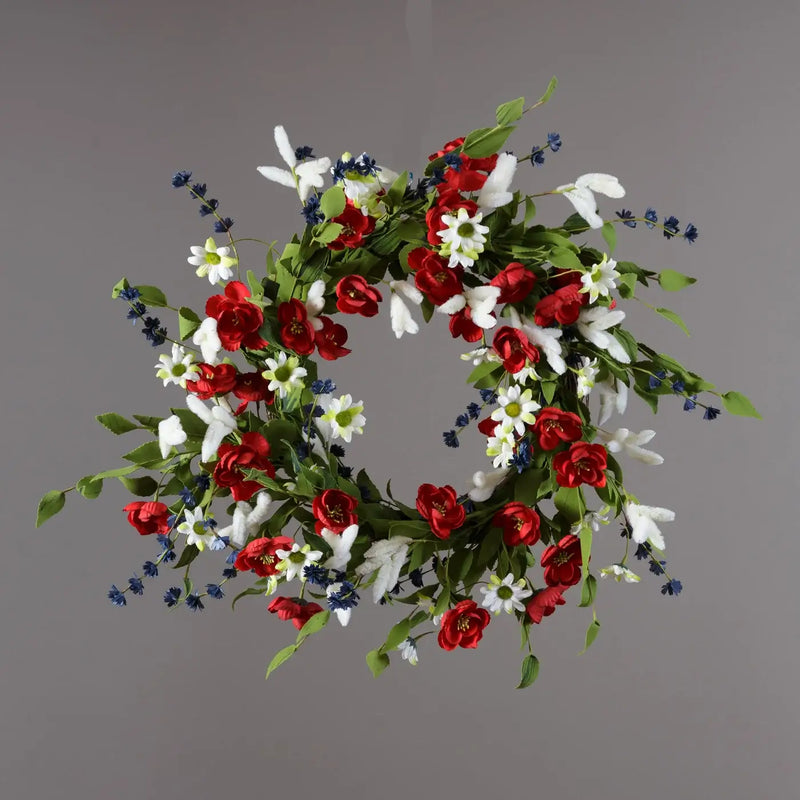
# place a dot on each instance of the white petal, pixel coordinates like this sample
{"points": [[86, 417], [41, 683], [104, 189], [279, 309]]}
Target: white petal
{"points": [[583, 201], [602, 183], [402, 321], [453, 305], [408, 290], [284, 148], [198, 408], [281, 176]]}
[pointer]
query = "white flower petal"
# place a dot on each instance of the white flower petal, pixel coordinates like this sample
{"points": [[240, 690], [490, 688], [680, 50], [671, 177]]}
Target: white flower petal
{"points": [[602, 183], [284, 148]]}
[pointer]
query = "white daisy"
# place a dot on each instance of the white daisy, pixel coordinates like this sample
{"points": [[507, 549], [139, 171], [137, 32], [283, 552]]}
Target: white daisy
{"points": [[586, 374], [408, 650], [342, 417], [516, 408], [600, 279], [500, 446], [195, 529], [463, 238], [284, 374], [212, 261], [295, 560], [177, 367], [505, 595]]}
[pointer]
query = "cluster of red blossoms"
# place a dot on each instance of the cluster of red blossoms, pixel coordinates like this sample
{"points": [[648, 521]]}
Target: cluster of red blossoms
{"points": [[252, 453]]}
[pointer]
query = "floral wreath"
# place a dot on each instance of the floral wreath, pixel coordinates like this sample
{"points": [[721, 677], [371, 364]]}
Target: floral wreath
{"points": [[258, 434]]}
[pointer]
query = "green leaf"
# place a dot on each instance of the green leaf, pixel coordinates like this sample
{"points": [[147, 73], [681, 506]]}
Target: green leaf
{"points": [[188, 322], [737, 403], [118, 287], [189, 554], [256, 287], [152, 296], [673, 281], [313, 625], [147, 453], [549, 390], [527, 485], [251, 590], [90, 486], [610, 235], [530, 671], [398, 633], [279, 658], [115, 473], [673, 317], [570, 503], [626, 285], [510, 112], [585, 537], [327, 232], [588, 591], [397, 190], [551, 87], [627, 341], [332, 202], [377, 662], [442, 602], [530, 210], [564, 258], [414, 529], [141, 487], [482, 370], [591, 634], [116, 423], [485, 142], [49, 506]]}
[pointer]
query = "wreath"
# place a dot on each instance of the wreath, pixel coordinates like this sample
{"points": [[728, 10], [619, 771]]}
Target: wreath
{"points": [[250, 466]]}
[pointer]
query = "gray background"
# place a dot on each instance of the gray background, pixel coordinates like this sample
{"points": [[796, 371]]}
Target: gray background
{"points": [[693, 105]]}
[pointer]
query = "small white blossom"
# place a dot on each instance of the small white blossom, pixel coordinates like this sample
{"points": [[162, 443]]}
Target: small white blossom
{"points": [[643, 520], [212, 261], [170, 434], [177, 367], [516, 408], [494, 192], [402, 321], [340, 543], [505, 595], [315, 302], [580, 194], [220, 423], [613, 397], [500, 446], [463, 238], [246, 520], [304, 177], [342, 417], [592, 519], [206, 338], [284, 374], [364, 191], [624, 440], [195, 530], [620, 573], [408, 650], [386, 556], [484, 484], [600, 279], [295, 560], [480, 355], [593, 324], [586, 374]]}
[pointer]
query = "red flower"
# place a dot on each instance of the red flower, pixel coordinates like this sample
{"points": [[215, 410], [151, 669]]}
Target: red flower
{"points": [[562, 562], [252, 453], [356, 296], [330, 338], [148, 516], [438, 505], [448, 203], [520, 524], [214, 379], [515, 282], [421, 258], [462, 625], [544, 602], [237, 320], [582, 463], [298, 611], [449, 147], [297, 333], [487, 426], [252, 387], [355, 226], [514, 347], [554, 426], [563, 306], [470, 176], [334, 510], [260, 557], [461, 324], [437, 281]]}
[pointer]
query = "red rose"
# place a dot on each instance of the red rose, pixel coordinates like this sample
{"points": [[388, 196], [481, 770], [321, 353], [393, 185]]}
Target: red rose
{"points": [[252, 453], [520, 524], [356, 296], [334, 510], [544, 602], [487, 426], [214, 379], [562, 562], [563, 306], [515, 282], [252, 387], [330, 338], [148, 516], [449, 147], [582, 463], [298, 611], [514, 347], [421, 258], [448, 203], [470, 175], [260, 557], [462, 625], [437, 281], [237, 320], [461, 324], [355, 226], [438, 505], [297, 333], [554, 426]]}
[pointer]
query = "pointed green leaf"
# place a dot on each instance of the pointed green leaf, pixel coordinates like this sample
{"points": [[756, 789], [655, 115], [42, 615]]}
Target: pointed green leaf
{"points": [[673, 317], [332, 202], [526, 487], [442, 602], [570, 503], [610, 235], [251, 590], [530, 671], [188, 322], [189, 554], [152, 296], [118, 287], [147, 453], [588, 591], [551, 87], [530, 210], [626, 285], [313, 625], [116, 423], [327, 232], [482, 370], [414, 529], [549, 390], [566, 259], [279, 658], [115, 473], [49, 505], [141, 487], [510, 111], [90, 486], [397, 190], [377, 662], [485, 142], [673, 281], [591, 634], [737, 403], [398, 633]]}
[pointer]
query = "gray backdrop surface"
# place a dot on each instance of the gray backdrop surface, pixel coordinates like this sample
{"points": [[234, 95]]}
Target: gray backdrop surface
{"points": [[694, 105]]}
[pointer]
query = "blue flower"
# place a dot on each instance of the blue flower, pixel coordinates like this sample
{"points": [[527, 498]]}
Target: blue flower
{"points": [[172, 595], [554, 140], [711, 413], [462, 420], [302, 451], [415, 576], [116, 596], [323, 387], [213, 590], [670, 227], [469, 506], [303, 152], [223, 225], [194, 602], [488, 396], [218, 543], [690, 234], [641, 552], [130, 294], [202, 482], [169, 555], [366, 165], [672, 587], [136, 585], [199, 190], [341, 168], [474, 410], [311, 211], [678, 386], [450, 438], [136, 311], [209, 523], [437, 177], [689, 403], [650, 217], [657, 567], [164, 541], [522, 456], [181, 178], [345, 598], [150, 569], [229, 573], [655, 380], [155, 335], [208, 207], [316, 574], [627, 218], [337, 450], [537, 156], [345, 472], [188, 498], [453, 160]]}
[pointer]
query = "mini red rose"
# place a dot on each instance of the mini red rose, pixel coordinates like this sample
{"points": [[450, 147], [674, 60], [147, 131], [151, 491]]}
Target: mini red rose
{"points": [[437, 281], [252, 453], [582, 463], [148, 516], [487, 426], [356, 296], [298, 611], [439, 506], [334, 510], [355, 226], [214, 379], [520, 524], [544, 602], [297, 333], [330, 339], [462, 625], [461, 324], [562, 562], [260, 555], [237, 320], [554, 426], [252, 387], [563, 306], [515, 282], [514, 347]]}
